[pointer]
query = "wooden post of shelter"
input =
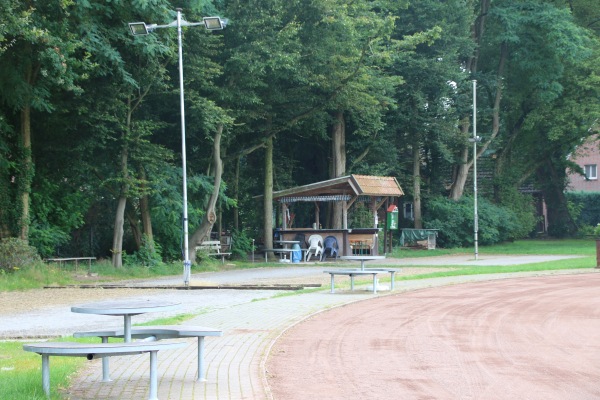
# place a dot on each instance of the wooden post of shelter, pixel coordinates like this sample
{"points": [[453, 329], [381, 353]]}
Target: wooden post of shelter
{"points": [[284, 215]]}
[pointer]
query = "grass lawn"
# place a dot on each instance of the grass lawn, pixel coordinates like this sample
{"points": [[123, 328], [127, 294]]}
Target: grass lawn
{"points": [[582, 247], [585, 248]]}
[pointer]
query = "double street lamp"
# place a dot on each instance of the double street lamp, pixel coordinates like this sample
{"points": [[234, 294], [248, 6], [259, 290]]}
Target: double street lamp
{"points": [[211, 24]]}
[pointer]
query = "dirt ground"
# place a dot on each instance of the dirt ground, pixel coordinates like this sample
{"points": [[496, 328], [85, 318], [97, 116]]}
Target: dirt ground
{"points": [[530, 338], [19, 301]]}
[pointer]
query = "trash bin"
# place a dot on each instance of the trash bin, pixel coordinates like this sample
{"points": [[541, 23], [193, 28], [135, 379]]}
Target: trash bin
{"points": [[296, 253], [392, 217]]}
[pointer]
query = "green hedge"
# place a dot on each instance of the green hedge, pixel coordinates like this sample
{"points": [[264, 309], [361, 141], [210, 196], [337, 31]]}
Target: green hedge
{"points": [[454, 219], [585, 207]]}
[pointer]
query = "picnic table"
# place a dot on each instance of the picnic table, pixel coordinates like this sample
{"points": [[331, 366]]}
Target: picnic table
{"points": [[362, 271], [352, 273], [362, 258], [282, 251], [105, 350], [126, 309], [285, 244]]}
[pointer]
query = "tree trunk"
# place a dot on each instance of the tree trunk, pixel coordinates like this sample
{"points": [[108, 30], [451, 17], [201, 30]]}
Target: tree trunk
{"points": [[27, 174], [418, 223], [135, 228], [236, 195], [117, 247], [560, 222], [145, 210], [462, 169], [268, 197], [210, 216], [458, 186], [338, 144]]}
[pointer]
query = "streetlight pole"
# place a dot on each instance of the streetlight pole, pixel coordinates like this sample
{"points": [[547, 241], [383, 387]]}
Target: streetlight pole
{"points": [[140, 28], [475, 140], [187, 264]]}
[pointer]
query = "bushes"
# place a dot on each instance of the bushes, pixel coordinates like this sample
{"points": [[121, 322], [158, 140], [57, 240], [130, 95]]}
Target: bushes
{"points": [[241, 244], [454, 219], [584, 207], [47, 239], [16, 254], [148, 255]]}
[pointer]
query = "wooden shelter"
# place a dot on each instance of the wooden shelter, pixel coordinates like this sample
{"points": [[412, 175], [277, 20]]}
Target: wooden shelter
{"points": [[377, 191]]}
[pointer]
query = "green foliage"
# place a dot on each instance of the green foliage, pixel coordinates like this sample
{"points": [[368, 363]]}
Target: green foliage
{"points": [[522, 206], [47, 239], [149, 255], [454, 219], [167, 203], [585, 207], [241, 244], [16, 254], [360, 217], [105, 105]]}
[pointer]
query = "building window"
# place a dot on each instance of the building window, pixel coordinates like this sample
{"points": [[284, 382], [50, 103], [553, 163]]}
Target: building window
{"points": [[591, 171], [408, 211]]}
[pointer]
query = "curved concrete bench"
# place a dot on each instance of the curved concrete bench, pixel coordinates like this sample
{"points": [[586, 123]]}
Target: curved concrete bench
{"points": [[150, 333], [100, 350]]}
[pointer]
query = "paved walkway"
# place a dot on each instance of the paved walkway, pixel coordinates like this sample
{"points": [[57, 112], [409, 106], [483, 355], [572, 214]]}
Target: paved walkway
{"points": [[234, 362]]}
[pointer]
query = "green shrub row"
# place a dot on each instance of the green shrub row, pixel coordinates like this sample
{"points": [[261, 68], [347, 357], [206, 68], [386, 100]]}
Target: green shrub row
{"points": [[584, 208], [497, 224]]}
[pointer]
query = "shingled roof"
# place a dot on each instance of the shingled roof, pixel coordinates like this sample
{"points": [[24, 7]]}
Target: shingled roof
{"points": [[342, 188]]}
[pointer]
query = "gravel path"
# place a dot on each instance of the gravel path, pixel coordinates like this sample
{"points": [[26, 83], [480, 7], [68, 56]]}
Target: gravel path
{"points": [[47, 312]]}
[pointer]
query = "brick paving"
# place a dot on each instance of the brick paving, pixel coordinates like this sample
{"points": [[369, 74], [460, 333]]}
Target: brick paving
{"points": [[233, 362]]}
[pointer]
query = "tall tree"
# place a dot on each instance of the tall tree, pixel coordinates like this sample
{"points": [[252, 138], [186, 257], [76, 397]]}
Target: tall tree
{"points": [[525, 48], [38, 57], [128, 69], [428, 101]]}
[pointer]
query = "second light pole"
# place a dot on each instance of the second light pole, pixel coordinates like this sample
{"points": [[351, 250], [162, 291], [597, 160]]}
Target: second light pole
{"points": [[476, 139]]}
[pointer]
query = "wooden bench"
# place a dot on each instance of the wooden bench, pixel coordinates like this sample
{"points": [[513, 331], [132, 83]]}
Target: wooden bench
{"points": [[151, 333], [213, 248], [101, 350], [60, 261], [361, 243]]}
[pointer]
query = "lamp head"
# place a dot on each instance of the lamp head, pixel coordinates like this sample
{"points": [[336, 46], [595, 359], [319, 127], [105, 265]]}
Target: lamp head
{"points": [[138, 28], [214, 23]]}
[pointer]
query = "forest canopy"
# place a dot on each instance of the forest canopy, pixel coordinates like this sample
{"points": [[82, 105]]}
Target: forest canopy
{"points": [[291, 92]]}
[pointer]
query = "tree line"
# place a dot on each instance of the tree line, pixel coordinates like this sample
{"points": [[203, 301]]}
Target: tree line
{"points": [[291, 92]]}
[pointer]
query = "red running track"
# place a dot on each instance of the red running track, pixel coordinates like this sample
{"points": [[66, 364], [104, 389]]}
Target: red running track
{"points": [[527, 338]]}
